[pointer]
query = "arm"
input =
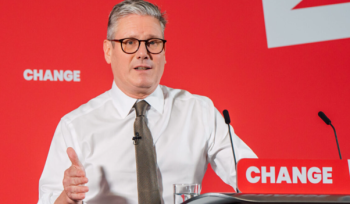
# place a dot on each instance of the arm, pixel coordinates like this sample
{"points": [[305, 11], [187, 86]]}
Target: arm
{"points": [[60, 168], [220, 151], [73, 181]]}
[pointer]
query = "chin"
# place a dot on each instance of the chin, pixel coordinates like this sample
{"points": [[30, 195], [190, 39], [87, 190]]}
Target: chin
{"points": [[144, 85]]}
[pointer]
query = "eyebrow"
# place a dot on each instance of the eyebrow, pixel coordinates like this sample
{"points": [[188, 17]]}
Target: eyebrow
{"points": [[149, 36]]}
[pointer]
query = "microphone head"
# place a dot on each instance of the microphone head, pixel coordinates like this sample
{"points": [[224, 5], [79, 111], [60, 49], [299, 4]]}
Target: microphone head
{"points": [[324, 118], [226, 116]]}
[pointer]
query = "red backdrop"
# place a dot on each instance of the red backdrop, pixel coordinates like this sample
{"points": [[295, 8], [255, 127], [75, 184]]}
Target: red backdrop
{"points": [[215, 48]]}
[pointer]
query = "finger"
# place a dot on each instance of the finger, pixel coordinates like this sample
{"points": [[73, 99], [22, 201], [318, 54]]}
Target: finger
{"points": [[75, 181], [79, 180], [74, 171], [76, 189], [73, 157], [78, 195]]}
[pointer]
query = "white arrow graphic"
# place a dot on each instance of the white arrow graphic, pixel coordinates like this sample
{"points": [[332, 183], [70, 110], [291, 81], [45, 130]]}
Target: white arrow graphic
{"points": [[285, 26], [349, 165]]}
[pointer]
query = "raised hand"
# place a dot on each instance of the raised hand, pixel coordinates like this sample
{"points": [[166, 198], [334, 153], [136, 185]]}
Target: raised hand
{"points": [[74, 180]]}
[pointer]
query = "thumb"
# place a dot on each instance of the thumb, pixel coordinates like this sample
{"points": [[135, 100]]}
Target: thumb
{"points": [[73, 157]]}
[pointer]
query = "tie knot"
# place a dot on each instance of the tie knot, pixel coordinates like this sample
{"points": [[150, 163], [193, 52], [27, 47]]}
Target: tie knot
{"points": [[141, 108]]}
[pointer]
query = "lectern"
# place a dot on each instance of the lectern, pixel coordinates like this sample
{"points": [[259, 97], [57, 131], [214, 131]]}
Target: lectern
{"points": [[286, 181]]}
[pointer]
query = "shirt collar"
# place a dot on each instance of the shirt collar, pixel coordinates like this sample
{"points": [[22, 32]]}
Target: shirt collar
{"points": [[124, 103]]}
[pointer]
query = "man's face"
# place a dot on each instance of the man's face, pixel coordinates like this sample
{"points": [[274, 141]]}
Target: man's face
{"points": [[134, 82]]}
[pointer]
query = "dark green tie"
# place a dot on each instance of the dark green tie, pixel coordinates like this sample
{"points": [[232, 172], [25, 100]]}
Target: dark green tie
{"points": [[146, 167]]}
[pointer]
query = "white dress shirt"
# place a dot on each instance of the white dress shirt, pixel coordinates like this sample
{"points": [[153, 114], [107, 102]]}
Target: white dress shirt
{"points": [[187, 130]]}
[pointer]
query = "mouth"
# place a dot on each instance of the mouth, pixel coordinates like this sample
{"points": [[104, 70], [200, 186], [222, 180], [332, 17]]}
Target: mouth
{"points": [[142, 68]]}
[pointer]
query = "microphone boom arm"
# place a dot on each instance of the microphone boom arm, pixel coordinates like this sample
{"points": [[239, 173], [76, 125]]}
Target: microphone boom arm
{"points": [[336, 139]]}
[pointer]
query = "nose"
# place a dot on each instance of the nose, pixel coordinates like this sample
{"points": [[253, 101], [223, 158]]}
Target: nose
{"points": [[142, 52]]}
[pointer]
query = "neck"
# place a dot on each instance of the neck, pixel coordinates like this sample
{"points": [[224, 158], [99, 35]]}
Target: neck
{"points": [[136, 95]]}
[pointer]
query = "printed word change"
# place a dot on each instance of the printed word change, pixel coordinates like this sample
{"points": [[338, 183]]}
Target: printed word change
{"points": [[48, 75]]}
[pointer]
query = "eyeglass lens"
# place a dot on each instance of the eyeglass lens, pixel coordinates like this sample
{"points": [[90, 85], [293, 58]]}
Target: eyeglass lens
{"points": [[153, 45]]}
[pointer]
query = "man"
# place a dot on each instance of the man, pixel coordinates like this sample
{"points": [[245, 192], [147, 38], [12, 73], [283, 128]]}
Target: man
{"points": [[96, 151]]}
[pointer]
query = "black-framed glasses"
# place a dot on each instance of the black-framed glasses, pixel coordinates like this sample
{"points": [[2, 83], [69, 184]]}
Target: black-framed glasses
{"points": [[131, 45]]}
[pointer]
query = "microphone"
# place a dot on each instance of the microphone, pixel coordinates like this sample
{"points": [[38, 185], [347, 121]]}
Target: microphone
{"points": [[328, 122], [227, 117], [228, 121], [324, 118]]}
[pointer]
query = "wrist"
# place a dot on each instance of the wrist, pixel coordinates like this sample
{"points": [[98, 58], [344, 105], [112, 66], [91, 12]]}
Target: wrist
{"points": [[70, 201]]}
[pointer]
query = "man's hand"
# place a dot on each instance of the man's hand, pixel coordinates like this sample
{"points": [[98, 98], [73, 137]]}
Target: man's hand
{"points": [[73, 181]]}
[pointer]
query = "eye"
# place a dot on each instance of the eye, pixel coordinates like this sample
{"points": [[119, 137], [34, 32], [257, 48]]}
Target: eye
{"points": [[129, 42], [153, 42]]}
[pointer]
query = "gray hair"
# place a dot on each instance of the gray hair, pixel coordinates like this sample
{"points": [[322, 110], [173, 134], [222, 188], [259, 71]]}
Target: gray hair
{"points": [[128, 7]]}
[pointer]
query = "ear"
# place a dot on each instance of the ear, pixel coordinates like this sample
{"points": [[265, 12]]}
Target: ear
{"points": [[107, 49], [164, 54]]}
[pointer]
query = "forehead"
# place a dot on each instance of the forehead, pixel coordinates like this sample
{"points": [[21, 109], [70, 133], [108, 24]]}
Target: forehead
{"points": [[138, 26]]}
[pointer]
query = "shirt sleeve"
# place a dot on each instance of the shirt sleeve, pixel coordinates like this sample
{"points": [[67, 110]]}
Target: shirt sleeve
{"points": [[50, 183], [220, 153]]}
